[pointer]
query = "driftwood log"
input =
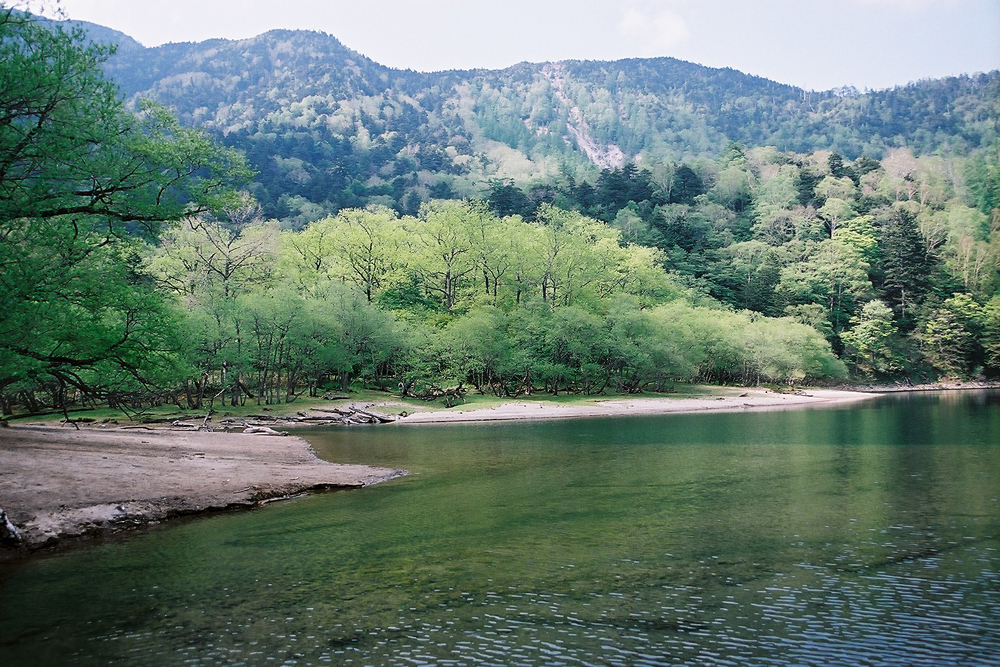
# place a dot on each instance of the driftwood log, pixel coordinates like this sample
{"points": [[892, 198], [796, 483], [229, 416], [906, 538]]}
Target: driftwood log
{"points": [[262, 430], [264, 424], [348, 416], [10, 536]]}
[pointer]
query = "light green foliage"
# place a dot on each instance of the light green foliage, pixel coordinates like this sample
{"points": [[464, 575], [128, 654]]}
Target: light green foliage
{"points": [[204, 259], [951, 336], [835, 275], [813, 314], [782, 350], [777, 191], [836, 188], [859, 234], [969, 252], [746, 348], [360, 339], [359, 246], [733, 187], [632, 227], [871, 342], [481, 350], [991, 332], [572, 344], [441, 240], [835, 212], [558, 304]]}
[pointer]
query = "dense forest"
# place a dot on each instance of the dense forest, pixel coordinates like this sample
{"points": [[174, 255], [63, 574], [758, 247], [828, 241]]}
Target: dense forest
{"points": [[419, 232], [895, 261]]}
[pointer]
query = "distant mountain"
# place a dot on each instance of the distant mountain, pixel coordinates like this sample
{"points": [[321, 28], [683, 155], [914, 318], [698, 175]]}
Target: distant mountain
{"points": [[99, 33], [327, 127]]}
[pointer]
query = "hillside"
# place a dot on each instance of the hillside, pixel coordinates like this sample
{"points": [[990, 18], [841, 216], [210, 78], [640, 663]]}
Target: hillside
{"points": [[329, 128], [619, 238]]}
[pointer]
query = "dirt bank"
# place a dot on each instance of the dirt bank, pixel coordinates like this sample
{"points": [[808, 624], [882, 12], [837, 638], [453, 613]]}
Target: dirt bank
{"points": [[59, 483]]}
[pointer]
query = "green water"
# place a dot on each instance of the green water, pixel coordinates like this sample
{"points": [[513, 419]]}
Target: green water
{"points": [[860, 536]]}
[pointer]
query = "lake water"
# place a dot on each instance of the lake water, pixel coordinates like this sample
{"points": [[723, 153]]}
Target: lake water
{"points": [[867, 535]]}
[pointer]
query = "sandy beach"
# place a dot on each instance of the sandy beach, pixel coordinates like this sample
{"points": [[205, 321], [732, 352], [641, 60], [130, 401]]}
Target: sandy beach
{"points": [[58, 484], [750, 399]]}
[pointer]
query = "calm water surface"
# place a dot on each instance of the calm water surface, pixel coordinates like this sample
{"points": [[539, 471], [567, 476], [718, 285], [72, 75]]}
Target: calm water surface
{"points": [[860, 536]]}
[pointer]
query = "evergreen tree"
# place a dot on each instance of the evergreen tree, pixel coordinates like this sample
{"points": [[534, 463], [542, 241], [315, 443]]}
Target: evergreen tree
{"points": [[836, 164], [906, 265], [685, 186]]}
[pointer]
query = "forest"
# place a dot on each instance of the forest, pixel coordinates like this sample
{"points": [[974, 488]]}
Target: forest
{"points": [[895, 261], [327, 128], [143, 260]]}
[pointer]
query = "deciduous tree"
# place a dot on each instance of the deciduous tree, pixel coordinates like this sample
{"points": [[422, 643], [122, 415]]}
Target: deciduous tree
{"points": [[84, 184]]}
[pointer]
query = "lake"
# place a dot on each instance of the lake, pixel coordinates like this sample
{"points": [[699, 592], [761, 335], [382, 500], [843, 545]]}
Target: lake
{"points": [[863, 535]]}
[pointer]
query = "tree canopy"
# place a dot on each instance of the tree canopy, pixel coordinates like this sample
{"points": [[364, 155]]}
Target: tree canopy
{"points": [[84, 185]]}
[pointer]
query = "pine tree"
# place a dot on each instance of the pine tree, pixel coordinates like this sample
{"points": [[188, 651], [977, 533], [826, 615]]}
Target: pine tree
{"points": [[906, 265]]}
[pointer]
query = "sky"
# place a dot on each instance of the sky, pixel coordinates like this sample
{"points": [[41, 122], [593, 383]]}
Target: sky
{"points": [[814, 44]]}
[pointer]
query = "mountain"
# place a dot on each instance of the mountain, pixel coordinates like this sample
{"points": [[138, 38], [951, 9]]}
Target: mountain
{"points": [[327, 127]]}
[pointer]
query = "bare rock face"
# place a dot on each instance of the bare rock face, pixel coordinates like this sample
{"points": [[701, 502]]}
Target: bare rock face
{"points": [[10, 536]]}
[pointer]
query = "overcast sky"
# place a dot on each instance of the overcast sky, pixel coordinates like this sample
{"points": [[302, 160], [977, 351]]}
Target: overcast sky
{"points": [[815, 44]]}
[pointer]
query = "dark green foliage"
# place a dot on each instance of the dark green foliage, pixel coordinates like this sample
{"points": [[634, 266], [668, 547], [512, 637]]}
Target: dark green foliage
{"points": [[805, 184], [685, 186], [836, 165], [905, 267], [507, 199]]}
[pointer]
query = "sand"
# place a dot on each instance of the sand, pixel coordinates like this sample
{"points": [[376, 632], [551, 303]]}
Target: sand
{"points": [[58, 484], [747, 400]]}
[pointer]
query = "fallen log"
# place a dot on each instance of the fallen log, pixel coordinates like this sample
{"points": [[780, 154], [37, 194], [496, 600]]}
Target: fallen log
{"points": [[262, 430], [10, 536], [167, 420], [382, 419]]}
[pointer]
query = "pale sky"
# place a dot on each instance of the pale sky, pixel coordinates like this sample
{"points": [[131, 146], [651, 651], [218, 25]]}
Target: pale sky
{"points": [[815, 44]]}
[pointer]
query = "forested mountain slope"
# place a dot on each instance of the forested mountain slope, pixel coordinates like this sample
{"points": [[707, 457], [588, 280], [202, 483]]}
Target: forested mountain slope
{"points": [[611, 226], [329, 128]]}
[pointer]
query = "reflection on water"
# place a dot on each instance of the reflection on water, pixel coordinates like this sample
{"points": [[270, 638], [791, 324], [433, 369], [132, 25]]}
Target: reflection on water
{"points": [[861, 536]]}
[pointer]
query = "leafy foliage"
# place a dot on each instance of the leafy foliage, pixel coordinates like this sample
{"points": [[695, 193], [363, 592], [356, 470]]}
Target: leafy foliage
{"points": [[84, 184]]}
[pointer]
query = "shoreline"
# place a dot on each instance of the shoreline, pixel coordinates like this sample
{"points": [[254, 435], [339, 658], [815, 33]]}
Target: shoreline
{"points": [[749, 399], [933, 386], [59, 485]]}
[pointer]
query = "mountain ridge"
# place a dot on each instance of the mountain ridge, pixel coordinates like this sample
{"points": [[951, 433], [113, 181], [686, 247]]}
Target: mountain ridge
{"points": [[329, 127]]}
